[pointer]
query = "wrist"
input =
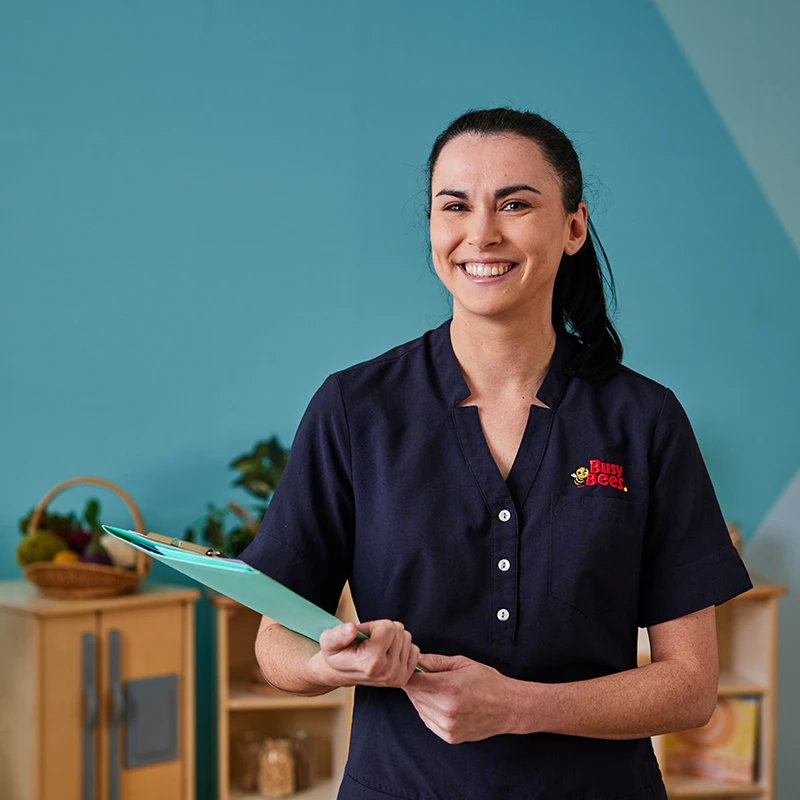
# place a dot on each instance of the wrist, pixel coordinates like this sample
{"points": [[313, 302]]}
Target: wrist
{"points": [[529, 707]]}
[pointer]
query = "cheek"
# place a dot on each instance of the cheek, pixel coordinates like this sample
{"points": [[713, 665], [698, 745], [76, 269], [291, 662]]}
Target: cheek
{"points": [[444, 239]]}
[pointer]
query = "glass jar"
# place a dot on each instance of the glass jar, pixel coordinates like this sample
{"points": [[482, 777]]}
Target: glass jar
{"points": [[304, 757], [247, 749], [276, 768]]}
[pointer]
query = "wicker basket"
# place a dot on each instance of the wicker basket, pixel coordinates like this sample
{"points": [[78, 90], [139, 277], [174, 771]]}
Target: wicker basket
{"points": [[85, 581]]}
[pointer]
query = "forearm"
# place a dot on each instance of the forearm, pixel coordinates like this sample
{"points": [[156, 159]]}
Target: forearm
{"points": [[284, 659], [658, 698]]}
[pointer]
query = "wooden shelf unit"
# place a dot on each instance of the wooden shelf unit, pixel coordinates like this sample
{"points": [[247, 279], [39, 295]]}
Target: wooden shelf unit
{"points": [[242, 708], [62, 659], [747, 633]]}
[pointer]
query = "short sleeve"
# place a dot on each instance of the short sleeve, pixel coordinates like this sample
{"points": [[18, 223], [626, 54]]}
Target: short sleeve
{"points": [[305, 539], [689, 561]]}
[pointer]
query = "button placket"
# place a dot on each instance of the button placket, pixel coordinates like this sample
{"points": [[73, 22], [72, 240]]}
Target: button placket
{"points": [[505, 532], [503, 524]]}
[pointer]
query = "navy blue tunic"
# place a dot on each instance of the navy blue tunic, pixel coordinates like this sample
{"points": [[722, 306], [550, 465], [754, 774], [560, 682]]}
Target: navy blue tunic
{"points": [[607, 522]]}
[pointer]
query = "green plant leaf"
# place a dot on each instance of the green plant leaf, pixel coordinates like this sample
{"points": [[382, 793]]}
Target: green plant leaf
{"points": [[256, 485], [277, 455], [61, 524], [259, 473], [214, 533], [239, 539], [91, 515]]}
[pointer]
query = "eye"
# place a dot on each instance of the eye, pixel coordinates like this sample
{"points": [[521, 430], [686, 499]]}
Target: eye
{"points": [[451, 207], [516, 203]]}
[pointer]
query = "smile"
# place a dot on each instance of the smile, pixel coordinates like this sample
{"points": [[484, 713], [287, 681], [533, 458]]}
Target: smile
{"points": [[488, 271]]}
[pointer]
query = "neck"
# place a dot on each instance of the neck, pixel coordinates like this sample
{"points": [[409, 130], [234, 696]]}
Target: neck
{"points": [[502, 359]]}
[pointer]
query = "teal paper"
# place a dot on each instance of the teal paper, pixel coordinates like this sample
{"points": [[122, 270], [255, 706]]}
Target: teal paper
{"points": [[240, 582]]}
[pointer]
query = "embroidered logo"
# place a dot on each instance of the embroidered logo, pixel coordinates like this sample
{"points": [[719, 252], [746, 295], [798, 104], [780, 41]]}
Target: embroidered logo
{"points": [[600, 473]]}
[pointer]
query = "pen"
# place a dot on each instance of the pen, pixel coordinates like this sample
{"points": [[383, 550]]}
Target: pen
{"points": [[184, 545]]}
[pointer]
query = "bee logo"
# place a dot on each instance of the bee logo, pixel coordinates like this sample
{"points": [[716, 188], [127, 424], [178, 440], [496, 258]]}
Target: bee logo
{"points": [[580, 476], [600, 473]]}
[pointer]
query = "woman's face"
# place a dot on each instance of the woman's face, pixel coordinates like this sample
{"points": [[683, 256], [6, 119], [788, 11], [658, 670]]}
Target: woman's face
{"points": [[498, 226]]}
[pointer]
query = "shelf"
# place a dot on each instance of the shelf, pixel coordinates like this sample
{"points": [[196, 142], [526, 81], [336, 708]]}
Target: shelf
{"points": [[689, 786], [242, 698], [327, 790]]}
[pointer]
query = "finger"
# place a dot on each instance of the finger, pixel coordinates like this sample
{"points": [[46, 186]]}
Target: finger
{"points": [[332, 640], [371, 626], [436, 663], [401, 637], [426, 682], [404, 653], [381, 636], [395, 657]]}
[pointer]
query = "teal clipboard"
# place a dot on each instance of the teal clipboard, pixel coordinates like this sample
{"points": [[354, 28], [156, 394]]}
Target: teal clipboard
{"points": [[237, 580], [234, 579]]}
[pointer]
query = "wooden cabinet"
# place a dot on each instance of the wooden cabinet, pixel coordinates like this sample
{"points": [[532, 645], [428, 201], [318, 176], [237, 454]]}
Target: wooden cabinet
{"points": [[748, 643], [243, 708], [97, 696]]}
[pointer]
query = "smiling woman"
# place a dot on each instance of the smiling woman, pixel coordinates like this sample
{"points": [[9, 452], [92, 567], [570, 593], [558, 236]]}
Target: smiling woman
{"points": [[509, 504], [519, 183]]}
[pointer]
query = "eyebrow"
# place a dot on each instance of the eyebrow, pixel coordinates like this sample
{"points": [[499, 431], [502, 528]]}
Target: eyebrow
{"points": [[500, 193]]}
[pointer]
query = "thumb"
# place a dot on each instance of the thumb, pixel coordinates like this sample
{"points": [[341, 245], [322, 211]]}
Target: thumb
{"points": [[338, 638], [432, 662]]}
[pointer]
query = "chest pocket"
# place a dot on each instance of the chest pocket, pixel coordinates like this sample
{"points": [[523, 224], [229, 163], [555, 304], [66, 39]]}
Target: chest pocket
{"points": [[595, 551]]}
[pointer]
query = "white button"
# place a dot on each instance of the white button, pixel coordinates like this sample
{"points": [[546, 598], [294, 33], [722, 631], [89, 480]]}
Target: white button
{"points": [[504, 565], [505, 515], [502, 614]]}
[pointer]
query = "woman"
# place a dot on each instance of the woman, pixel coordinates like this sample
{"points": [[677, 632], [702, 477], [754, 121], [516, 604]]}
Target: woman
{"points": [[509, 503]]}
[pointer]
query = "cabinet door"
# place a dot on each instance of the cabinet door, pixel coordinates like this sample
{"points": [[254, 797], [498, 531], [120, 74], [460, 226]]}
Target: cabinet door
{"points": [[69, 693], [143, 706]]}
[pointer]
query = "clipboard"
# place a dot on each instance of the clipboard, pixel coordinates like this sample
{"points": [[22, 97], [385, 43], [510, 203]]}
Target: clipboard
{"points": [[235, 579]]}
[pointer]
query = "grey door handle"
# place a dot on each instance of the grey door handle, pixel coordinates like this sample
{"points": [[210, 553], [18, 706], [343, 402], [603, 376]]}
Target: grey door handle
{"points": [[89, 694], [117, 715]]}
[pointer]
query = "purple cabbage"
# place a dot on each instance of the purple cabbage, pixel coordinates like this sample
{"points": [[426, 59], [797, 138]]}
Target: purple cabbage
{"points": [[77, 539], [95, 553]]}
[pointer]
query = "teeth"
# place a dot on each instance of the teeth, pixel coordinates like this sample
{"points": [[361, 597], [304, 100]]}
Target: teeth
{"points": [[486, 270]]}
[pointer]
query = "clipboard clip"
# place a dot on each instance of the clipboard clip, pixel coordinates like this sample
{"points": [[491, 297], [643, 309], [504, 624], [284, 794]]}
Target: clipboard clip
{"points": [[181, 544]]}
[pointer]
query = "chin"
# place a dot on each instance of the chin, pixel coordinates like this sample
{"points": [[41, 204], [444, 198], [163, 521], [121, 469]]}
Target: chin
{"points": [[488, 310]]}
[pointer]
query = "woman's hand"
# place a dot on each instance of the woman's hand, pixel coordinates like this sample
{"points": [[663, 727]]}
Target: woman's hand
{"points": [[461, 700], [387, 658]]}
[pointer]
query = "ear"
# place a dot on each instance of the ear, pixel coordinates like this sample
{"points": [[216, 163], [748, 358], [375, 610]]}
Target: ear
{"points": [[577, 230]]}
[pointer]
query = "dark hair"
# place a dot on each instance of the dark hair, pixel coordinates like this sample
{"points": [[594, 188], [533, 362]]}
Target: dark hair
{"points": [[579, 299]]}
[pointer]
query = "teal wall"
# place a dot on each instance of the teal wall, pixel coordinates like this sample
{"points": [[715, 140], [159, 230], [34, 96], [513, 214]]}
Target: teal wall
{"points": [[744, 56], [205, 208]]}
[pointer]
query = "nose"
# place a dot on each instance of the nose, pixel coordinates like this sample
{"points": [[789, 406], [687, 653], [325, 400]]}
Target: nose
{"points": [[483, 230]]}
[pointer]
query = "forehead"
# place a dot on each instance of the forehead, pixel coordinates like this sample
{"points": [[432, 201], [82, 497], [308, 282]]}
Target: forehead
{"points": [[472, 160]]}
